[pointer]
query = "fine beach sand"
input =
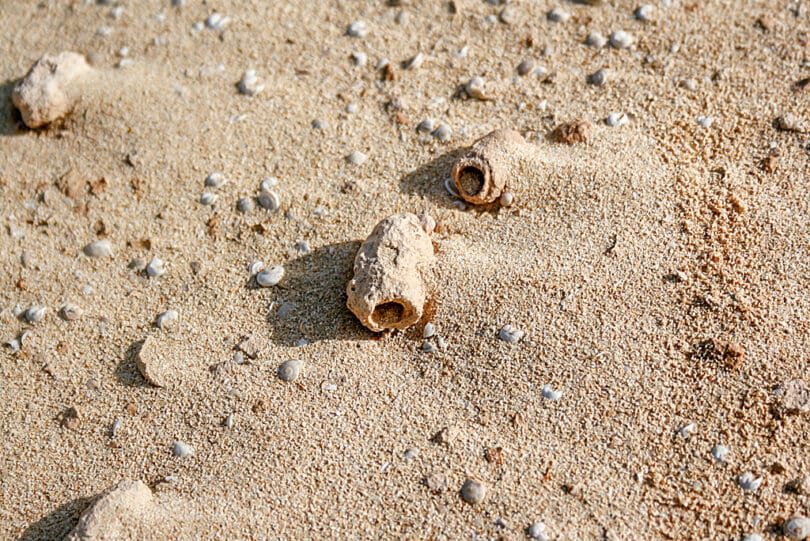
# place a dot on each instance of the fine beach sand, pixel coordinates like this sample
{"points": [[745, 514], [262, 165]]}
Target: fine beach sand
{"points": [[621, 258]]}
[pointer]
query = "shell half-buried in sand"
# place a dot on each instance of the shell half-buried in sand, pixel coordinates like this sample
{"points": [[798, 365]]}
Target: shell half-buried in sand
{"points": [[482, 173], [391, 273]]}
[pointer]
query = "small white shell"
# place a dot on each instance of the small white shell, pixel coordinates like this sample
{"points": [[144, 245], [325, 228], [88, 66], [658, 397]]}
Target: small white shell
{"points": [[616, 120], [645, 13], [450, 186], [270, 277], [250, 84], [596, 39], [720, 452], [427, 125], [290, 370], [167, 319], [255, 267], [215, 181], [507, 198], [359, 58], [443, 133], [358, 29], [475, 88], [429, 331], [182, 450], [356, 158], [549, 393], [245, 205], [558, 15], [473, 491], [704, 121], [415, 62], [208, 198], [268, 183], [269, 200], [217, 21], [687, 430], [525, 66], [537, 531], [35, 314], [155, 268], [621, 39], [599, 77], [71, 312], [510, 333], [797, 528], [99, 248], [749, 481]]}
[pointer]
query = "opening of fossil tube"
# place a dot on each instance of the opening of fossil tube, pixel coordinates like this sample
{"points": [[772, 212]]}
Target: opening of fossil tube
{"points": [[387, 313], [471, 180]]}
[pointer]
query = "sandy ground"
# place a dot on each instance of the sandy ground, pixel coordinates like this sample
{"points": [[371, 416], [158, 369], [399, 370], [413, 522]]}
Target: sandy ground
{"points": [[620, 258]]}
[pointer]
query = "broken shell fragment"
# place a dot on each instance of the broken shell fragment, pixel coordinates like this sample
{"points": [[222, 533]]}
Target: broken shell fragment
{"points": [[391, 271], [482, 173]]}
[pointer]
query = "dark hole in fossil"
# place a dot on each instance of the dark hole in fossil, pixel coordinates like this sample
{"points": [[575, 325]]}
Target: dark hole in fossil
{"points": [[471, 180], [387, 313]]}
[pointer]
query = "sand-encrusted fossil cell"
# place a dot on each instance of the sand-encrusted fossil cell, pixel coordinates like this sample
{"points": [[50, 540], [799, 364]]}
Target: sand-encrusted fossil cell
{"points": [[483, 172], [50, 88], [391, 274]]}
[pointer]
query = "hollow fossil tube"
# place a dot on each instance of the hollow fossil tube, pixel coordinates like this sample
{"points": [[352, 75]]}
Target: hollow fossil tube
{"points": [[482, 173], [391, 271]]}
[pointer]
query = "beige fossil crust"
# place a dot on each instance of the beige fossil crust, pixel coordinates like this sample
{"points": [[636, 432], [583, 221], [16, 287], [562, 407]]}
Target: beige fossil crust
{"points": [[391, 274], [483, 172], [50, 88], [116, 512]]}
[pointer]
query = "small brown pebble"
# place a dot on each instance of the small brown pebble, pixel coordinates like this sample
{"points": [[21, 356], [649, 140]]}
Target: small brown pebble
{"points": [[131, 408], [259, 406], [765, 22], [771, 162], [436, 481], [494, 455], [97, 187], [578, 131], [72, 184]]}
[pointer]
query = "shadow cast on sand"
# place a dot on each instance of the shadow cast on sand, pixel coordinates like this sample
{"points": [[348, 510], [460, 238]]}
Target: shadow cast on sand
{"points": [[10, 119], [311, 302], [58, 523], [428, 180], [127, 371]]}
